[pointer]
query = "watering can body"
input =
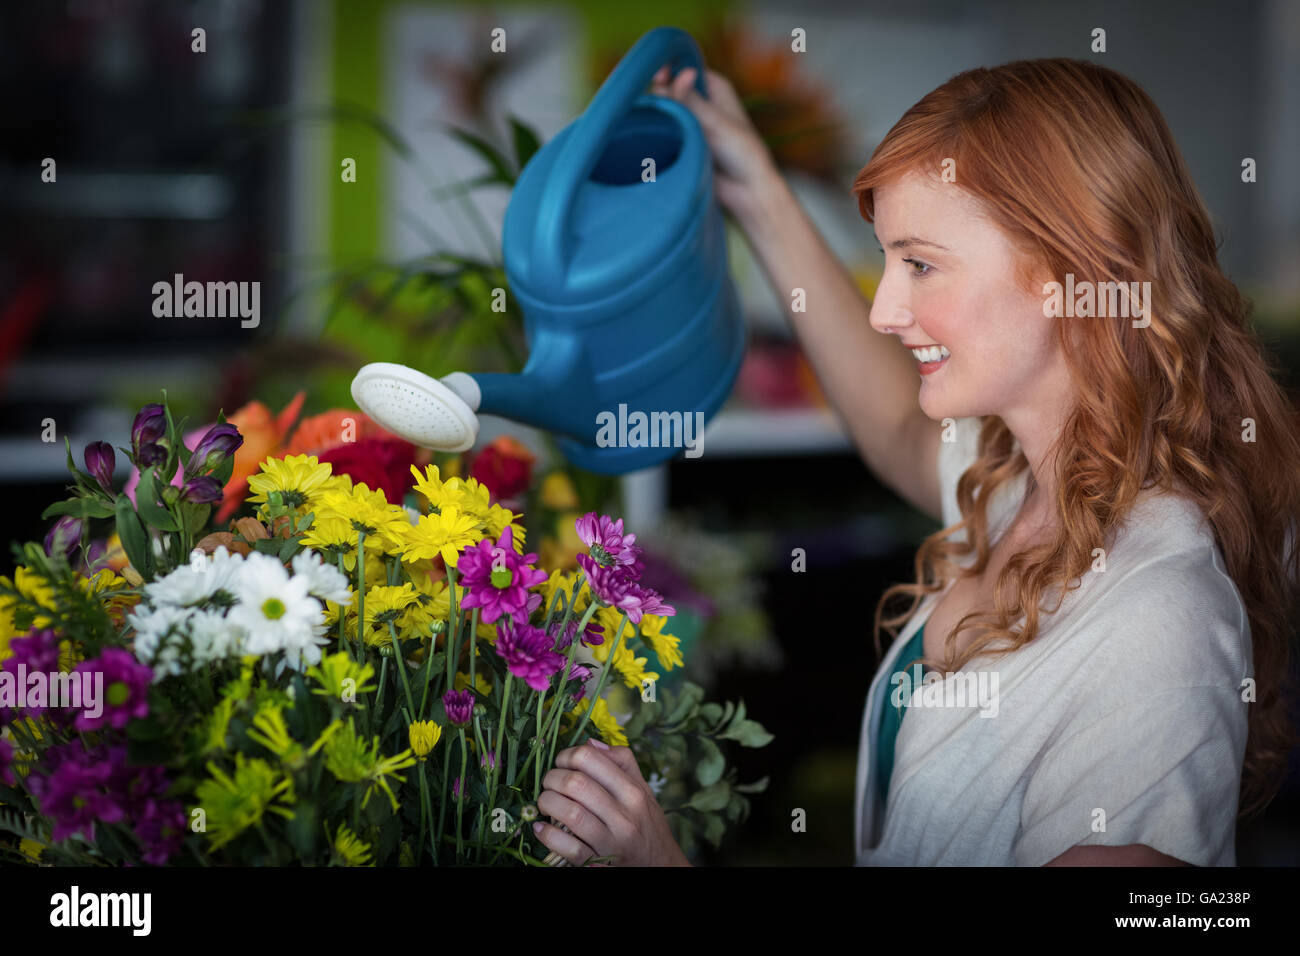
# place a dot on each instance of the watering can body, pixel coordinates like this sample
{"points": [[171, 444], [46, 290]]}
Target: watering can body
{"points": [[620, 269]]}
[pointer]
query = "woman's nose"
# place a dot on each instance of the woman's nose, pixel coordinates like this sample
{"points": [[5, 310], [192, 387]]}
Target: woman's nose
{"points": [[889, 308]]}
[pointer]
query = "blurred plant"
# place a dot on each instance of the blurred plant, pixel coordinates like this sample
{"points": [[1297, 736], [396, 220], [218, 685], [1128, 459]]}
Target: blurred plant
{"points": [[791, 112]]}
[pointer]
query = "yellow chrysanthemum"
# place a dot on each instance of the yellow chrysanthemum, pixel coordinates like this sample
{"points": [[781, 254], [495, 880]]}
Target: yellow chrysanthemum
{"points": [[385, 604], [604, 721], [609, 619], [351, 849], [333, 534], [665, 646], [433, 603], [632, 668], [480, 683], [496, 521], [446, 534], [368, 511], [468, 495], [424, 736], [34, 588], [557, 492], [299, 478]]}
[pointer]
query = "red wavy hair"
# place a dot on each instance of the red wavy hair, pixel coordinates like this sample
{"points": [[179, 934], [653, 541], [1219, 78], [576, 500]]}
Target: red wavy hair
{"points": [[1076, 165]]}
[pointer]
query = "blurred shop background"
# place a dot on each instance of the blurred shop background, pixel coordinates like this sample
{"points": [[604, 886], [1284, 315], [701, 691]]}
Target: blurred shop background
{"points": [[227, 165]]}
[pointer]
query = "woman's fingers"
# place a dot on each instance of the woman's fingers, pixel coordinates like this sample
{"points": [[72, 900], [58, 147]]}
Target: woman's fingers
{"points": [[582, 820], [606, 771], [565, 844]]}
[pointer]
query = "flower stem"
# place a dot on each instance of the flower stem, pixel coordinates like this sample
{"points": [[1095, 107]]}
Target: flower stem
{"points": [[361, 595], [401, 665], [501, 729], [426, 814], [604, 676], [460, 799], [342, 611]]}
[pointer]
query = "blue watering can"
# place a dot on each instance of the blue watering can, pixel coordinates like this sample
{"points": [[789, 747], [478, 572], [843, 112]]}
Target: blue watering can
{"points": [[634, 329]]}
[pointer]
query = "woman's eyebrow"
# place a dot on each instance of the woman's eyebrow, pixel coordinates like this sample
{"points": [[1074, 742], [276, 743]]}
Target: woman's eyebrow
{"points": [[916, 241]]}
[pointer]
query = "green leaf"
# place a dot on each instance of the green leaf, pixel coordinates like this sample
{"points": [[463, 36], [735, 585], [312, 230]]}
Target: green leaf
{"points": [[79, 508], [304, 829], [689, 697], [715, 828], [711, 712], [712, 798], [135, 542], [146, 503], [526, 142], [194, 516], [709, 770], [749, 733], [500, 170], [758, 786]]}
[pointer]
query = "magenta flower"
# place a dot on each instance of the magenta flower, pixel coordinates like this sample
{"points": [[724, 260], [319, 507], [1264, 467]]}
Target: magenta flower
{"points": [[459, 705], [78, 792], [582, 673], [125, 688], [489, 760], [38, 652], [529, 653], [606, 541], [455, 789], [592, 634], [505, 590]]}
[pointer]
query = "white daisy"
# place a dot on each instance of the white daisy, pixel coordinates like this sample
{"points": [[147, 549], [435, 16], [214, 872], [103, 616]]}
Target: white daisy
{"points": [[323, 580], [277, 613], [215, 637], [159, 636], [656, 783], [194, 583]]}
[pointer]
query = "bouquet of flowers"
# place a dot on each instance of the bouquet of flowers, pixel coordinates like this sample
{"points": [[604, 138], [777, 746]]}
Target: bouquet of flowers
{"points": [[338, 679]]}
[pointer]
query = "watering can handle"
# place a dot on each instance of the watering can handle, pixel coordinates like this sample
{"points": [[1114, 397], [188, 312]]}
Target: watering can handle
{"points": [[586, 141]]}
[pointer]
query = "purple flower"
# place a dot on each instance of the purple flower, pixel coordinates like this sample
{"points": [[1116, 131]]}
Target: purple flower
{"points": [[6, 762], [64, 537], [99, 462], [459, 705], [528, 652], [498, 579], [149, 455], [160, 825], [37, 652], [125, 689], [489, 760], [592, 634], [606, 541], [202, 491], [77, 793], [618, 587], [582, 673], [217, 444], [150, 425], [77, 788], [455, 788]]}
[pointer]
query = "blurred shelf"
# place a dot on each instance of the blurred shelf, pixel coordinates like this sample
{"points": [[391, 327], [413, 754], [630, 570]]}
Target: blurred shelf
{"points": [[775, 431]]}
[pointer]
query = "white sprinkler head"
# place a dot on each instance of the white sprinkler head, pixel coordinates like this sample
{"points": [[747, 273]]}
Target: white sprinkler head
{"points": [[429, 412]]}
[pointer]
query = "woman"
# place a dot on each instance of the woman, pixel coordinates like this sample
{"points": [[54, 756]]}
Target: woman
{"points": [[1114, 466]]}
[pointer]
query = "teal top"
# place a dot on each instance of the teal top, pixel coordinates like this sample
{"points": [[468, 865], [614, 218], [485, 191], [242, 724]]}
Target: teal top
{"points": [[892, 717]]}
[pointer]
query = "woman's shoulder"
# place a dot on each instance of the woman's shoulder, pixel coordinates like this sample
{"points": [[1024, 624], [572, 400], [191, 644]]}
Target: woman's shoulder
{"points": [[1161, 595]]}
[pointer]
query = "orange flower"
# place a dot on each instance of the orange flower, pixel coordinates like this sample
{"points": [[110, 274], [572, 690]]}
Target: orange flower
{"points": [[330, 429]]}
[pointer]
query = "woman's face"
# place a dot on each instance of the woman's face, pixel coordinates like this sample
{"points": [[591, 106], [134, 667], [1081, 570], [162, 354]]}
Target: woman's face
{"points": [[950, 280]]}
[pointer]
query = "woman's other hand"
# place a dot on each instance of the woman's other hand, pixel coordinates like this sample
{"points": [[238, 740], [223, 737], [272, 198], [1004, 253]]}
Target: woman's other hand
{"points": [[598, 792], [741, 158]]}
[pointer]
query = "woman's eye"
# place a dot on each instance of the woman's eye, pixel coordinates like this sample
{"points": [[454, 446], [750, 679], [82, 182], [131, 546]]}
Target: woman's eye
{"points": [[922, 268]]}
